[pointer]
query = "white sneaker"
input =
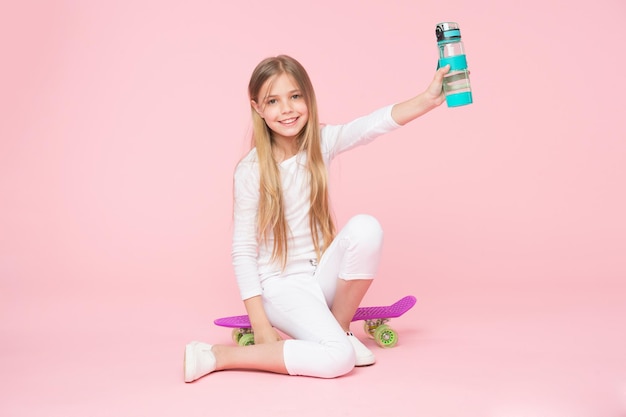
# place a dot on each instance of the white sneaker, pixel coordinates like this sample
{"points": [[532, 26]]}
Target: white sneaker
{"points": [[199, 361], [364, 356]]}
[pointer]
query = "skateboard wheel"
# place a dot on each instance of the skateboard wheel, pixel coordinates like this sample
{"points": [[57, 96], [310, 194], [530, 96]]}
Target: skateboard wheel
{"points": [[369, 328], [385, 336], [246, 339], [236, 335]]}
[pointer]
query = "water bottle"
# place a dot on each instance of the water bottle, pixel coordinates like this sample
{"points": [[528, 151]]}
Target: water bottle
{"points": [[456, 83]]}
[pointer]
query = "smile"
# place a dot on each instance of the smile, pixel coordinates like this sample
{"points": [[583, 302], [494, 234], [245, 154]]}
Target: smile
{"points": [[289, 121]]}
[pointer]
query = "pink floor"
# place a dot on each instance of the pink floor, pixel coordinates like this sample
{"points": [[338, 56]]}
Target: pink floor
{"points": [[533, 351]]}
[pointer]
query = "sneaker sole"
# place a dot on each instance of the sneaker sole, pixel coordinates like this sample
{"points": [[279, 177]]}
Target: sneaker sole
{"points": [[189, 358], [366, 362]]}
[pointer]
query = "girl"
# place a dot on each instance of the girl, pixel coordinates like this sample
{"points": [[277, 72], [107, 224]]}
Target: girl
{"points": [[294, 271]]}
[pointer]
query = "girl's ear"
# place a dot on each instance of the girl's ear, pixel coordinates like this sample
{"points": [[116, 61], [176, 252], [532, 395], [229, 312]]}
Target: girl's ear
{"points": [[257, 108]]}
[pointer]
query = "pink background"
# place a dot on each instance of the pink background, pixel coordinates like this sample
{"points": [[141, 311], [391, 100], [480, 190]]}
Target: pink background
{"points": [[121, 125]]}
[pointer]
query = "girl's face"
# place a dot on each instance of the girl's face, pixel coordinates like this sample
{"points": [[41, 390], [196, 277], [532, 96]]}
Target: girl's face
{"points": [[282, 106]]}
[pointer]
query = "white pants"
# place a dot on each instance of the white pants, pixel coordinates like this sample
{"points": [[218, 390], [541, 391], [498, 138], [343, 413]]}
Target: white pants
{"points": [[298, 302]]}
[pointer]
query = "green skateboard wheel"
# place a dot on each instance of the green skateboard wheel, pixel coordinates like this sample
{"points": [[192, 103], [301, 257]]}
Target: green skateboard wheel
{"points": [[246, 339], [236, 335], [369, 329], [385, 336]]}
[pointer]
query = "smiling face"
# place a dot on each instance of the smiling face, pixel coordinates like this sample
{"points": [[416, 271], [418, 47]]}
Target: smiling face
{"points": [[283, 107]]}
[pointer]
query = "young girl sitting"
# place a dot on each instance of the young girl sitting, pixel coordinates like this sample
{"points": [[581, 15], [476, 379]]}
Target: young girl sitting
{"points": [[295, 272]]}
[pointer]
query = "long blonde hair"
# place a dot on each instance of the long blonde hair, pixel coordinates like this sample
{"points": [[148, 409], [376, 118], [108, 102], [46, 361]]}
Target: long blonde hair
{"points": [[271, 214]]}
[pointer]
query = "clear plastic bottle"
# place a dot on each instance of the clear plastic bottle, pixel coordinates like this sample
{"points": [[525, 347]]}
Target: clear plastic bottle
{"points": [[456, 83]]}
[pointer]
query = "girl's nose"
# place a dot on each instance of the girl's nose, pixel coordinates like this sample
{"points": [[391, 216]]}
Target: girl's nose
{"points": [[286, 107]]}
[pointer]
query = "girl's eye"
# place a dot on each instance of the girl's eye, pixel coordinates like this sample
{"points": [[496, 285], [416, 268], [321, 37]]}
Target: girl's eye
{"points": [[296, 96], [271, 101]]}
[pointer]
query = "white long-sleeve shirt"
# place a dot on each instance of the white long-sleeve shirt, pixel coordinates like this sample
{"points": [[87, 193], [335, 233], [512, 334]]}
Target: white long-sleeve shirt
{"points": [[252, 259]]}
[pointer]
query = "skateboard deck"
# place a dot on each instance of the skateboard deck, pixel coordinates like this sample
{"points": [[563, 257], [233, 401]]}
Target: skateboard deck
{"points": [[374, 322]]}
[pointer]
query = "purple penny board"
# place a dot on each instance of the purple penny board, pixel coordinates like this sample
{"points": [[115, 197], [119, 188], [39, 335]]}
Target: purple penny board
{"points": [[362, 313]]}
